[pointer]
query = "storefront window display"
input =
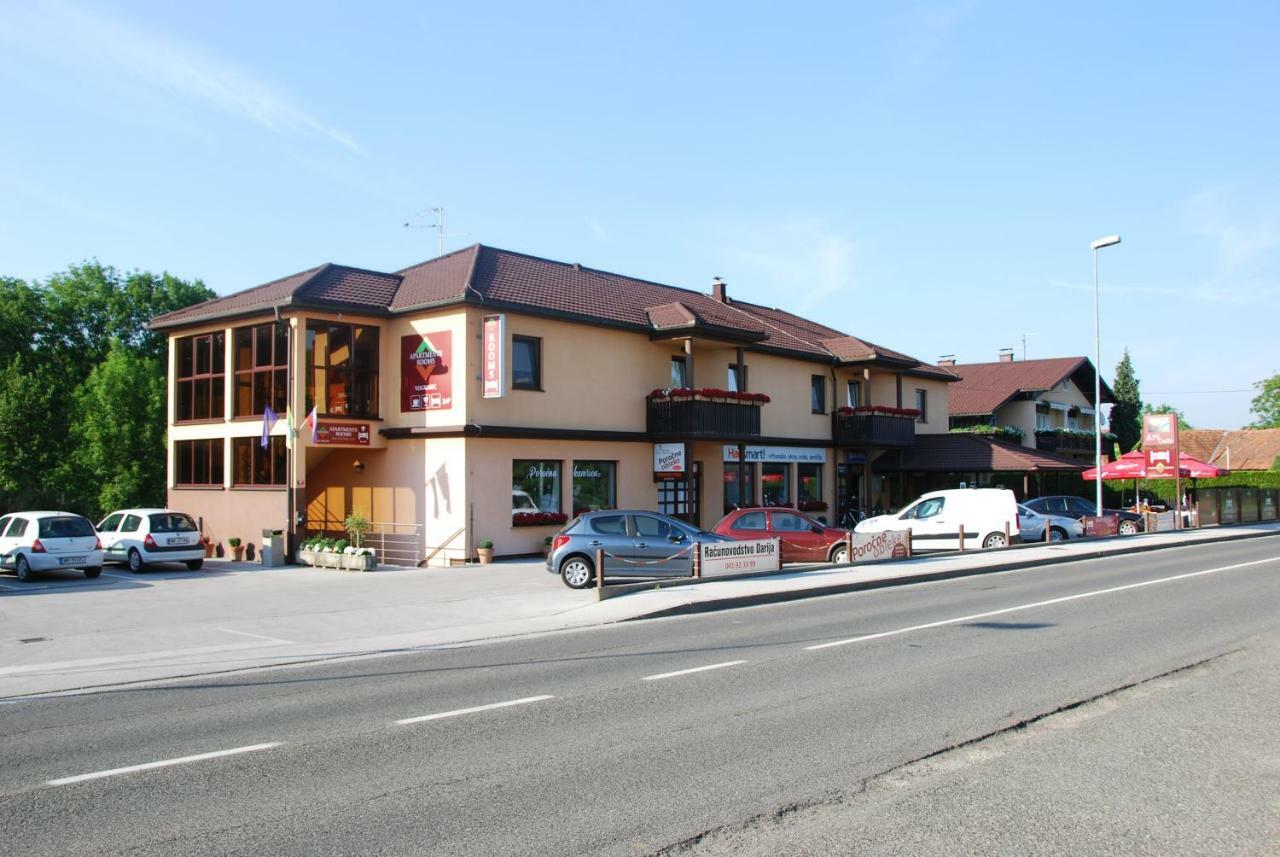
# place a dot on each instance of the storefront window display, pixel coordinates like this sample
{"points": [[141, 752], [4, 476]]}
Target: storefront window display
{"points": [[535, 492], [732, 498], [809, 477], [595, 486], [773, 484]]}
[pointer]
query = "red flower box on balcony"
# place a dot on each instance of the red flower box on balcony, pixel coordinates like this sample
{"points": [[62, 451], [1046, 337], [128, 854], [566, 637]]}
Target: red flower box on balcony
{"points": [[883, 410], [538, 519], [708, 393]]}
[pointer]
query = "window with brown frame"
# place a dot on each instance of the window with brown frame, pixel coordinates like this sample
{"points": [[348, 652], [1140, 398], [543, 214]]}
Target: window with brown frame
{"points": [[200, 377], [198, 462], [262, 368], [342, 369], [257, 466]]}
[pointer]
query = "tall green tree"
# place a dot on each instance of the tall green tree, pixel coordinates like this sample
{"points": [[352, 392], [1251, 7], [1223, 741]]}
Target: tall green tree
{"points": [[1266, 405], [1165, 408], [1126, 419]]}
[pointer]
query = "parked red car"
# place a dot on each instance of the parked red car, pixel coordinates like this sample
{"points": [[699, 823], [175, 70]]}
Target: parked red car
{"points": [[803, 539]]}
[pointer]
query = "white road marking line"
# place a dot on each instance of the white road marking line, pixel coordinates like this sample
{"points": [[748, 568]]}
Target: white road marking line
{"points": [[693, 670], [257, 636], [489, 707], [199, 757], [1061, 600]]}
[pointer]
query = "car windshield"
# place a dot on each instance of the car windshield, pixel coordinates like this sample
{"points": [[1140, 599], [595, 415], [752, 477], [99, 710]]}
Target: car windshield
{"points": [[69, 527], [172, 522]]}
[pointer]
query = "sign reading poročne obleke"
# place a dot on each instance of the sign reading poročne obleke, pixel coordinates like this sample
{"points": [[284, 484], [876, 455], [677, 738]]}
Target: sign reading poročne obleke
{"points": [[890, 544], [740, 557]]}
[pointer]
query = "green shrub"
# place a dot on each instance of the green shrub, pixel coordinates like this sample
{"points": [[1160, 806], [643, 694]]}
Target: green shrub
{"points": [[233, 542], [1012, 433], [487, 544]]}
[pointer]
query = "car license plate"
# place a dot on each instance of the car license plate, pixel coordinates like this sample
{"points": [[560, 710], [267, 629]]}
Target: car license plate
{"points": [[177, 540], [71, 560]]}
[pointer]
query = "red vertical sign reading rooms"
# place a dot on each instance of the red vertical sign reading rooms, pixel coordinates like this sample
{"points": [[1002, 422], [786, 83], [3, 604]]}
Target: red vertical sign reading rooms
{"points": [[494, 337], [426, 383]]}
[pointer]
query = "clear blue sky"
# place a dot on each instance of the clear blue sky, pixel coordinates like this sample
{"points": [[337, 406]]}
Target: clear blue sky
{"points": [[926, 176]]}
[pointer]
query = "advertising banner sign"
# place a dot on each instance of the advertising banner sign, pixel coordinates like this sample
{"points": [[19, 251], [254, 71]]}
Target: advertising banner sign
{"points": [[333, 434], [425, 366], [494, 366], [1104, 525], [740, 557], [775, 454], [891, 544], [1160, 430], [1160, 462], [669, 460]]}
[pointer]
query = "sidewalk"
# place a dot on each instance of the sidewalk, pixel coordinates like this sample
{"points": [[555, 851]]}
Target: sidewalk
{"points": [[67, 633]]}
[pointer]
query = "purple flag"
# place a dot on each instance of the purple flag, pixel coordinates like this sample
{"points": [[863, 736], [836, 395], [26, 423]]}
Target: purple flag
{"points": [[268, 422], [314, 419]]}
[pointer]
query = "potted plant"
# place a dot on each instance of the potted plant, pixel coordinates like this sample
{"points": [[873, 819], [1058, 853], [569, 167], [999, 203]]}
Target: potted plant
{"points": [[358, 559], [356, 526], [485, 551], [237, 549], [209, 546]]}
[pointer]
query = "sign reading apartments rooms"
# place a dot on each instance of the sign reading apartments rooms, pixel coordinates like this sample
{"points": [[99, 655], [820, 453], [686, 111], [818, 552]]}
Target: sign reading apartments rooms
{"points": [[426, 384]]}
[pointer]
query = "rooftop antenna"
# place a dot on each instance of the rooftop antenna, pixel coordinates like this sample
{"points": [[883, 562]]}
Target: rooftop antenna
{"points": [[438, 226], [1024, 343]]}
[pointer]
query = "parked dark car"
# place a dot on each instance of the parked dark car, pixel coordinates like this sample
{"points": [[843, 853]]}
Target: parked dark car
{"points": [[1079, 507], [637, 543], [803, 539]]}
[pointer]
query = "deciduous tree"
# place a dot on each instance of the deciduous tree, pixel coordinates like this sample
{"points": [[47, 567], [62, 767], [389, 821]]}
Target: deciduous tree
{"points": [[1266, 405]]}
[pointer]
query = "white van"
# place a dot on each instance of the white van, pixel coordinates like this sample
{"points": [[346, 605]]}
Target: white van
{"points": [[989, 517]]}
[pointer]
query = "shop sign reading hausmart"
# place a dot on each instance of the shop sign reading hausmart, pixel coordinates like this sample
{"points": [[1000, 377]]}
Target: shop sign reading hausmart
{"points": [[334, 434], [777, 454], [669, 461], [891, 544], [740, 557], [425, 380], [494, 336]]}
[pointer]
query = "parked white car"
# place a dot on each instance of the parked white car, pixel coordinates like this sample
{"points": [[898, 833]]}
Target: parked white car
{"points": [[1060, 526], [32, 542], [989, 517], [141, 537]]}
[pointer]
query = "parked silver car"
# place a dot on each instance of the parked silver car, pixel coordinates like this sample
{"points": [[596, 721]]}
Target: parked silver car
{"points": [[1061, 528], [32, 542], [637, 543]]}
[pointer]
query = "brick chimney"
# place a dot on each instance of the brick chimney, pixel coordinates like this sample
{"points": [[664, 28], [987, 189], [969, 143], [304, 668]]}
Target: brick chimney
{"points": [[947, 360], [717, 290], [1006, 355]]}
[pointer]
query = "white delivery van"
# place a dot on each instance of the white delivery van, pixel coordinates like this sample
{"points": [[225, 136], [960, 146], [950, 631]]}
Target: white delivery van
{"points": [[989, 517]]}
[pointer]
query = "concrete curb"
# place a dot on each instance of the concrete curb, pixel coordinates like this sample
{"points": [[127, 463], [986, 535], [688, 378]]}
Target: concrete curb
{"points": [[783, 596]]}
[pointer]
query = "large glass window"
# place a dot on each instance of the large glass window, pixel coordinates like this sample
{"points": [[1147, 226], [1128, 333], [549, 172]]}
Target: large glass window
{"points": [[922, 405], [854, 397], [262, 368], [342, 369], [679, 372], [737, 380], [818, 394], [535, 481], [733, 498], [201, 377], [810, 478], [595, 486], [526, 363], [773, 484], [198, 462], [257, 466], [1043, 422]]}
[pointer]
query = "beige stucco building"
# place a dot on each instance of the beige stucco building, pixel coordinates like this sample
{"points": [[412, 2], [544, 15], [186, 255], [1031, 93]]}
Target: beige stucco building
{"points": [[447, 390]]}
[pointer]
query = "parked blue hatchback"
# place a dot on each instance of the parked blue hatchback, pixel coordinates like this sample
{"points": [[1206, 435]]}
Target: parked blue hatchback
{"points": [[637, 543]]}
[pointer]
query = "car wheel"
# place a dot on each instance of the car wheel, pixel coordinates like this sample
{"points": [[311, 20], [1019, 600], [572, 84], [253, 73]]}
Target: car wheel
{"points": [[1057, 534], [23, 568], [839, 554], [995, 540], [577, 572], [195, 564], [1128, 528], [136, 564], [93, 571]]}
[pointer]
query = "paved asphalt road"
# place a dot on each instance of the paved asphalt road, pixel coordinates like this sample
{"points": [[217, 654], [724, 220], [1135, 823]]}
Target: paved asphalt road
{"points": [[781, 748]]}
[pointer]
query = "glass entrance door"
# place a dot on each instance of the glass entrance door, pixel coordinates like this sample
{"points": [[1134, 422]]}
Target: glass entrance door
{"points": [[680, 498]]}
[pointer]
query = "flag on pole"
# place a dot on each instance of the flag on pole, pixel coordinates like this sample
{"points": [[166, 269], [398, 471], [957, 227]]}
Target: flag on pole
{"points": [[290, 433], [313, 418], [269, 419]]}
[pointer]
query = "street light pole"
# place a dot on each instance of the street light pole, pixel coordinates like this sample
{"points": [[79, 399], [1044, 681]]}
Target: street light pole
{"points": [[1097, 373]]}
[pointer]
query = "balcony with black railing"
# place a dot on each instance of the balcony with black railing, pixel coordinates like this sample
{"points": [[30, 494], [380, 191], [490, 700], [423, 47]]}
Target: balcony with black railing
{"points": [[855, 428], [704, 417], [1066, 442]]}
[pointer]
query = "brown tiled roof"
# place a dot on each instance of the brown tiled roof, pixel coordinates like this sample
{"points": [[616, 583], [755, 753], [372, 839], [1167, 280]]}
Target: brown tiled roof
{"points": [[1241, 449], [483, 275], [326, 285], [984, 387], [962, 452]]}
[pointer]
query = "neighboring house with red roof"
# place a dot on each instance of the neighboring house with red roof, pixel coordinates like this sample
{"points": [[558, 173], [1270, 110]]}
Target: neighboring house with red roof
{"points": [[438, 386], [1049, 400], [1234, 450]]}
